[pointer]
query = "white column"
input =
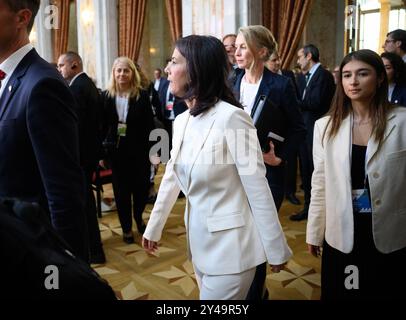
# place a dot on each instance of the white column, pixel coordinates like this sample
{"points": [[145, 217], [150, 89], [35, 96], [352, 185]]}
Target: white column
{"points": [[97, 37], [216, 17], [41, 33], [106, 39]]}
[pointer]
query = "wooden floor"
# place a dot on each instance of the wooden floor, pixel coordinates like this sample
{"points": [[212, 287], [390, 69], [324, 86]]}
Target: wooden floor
{"points": [[133, 274]]}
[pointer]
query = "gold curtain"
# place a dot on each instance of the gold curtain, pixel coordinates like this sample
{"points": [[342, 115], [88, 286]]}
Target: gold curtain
{"points": [[174, 9], [286, 20], [62, 33], [131, 26]]}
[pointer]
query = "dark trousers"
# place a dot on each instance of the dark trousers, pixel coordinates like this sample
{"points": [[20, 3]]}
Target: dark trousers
{"points": [[130, 185], [169, 128], [306, 167], [276, 181], [93, 231], [291, 174]]}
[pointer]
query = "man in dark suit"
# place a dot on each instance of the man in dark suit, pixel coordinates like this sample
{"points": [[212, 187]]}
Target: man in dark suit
{"points": [[274, 64], [87, 97], [39, 149], [159, 81], [316, 89], [396, 42], [171, 107]]}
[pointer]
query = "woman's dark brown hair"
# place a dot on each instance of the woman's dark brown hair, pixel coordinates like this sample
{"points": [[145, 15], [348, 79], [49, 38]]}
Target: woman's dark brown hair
{"points": [[207, 70], [398, 66], [341, 104]]}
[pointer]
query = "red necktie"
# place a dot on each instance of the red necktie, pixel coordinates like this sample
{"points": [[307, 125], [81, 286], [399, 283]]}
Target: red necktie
{"points": [[2, 76]]}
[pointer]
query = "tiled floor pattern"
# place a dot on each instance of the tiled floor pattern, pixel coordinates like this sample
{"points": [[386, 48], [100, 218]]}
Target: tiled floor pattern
{"points": [[168, 275]]}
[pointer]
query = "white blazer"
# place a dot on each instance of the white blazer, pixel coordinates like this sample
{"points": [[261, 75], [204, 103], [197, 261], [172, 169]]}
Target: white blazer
{"points": [[231, 220], [331, 211]]}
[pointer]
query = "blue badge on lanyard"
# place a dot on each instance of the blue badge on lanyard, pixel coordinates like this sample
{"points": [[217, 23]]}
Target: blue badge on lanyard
{"points": [[360, 201]]}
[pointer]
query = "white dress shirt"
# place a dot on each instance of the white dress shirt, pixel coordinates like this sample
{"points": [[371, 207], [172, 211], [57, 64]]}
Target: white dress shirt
{"points": [[312, 71], [156, 84], [248, 92], [391, 87], [10, 64], [122, 105]]}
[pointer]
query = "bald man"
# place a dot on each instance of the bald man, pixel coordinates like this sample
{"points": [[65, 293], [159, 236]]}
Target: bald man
{"points": [[87, 97]]}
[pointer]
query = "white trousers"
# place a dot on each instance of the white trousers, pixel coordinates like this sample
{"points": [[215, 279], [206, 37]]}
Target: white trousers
{"points": [[225, 286]]}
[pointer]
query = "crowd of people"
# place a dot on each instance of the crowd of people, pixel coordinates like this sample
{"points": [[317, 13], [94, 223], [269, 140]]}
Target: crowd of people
{"points": [[232, 117]]}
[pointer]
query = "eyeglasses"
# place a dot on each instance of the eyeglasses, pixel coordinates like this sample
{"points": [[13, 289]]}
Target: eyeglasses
{"points": [[388, 41]]}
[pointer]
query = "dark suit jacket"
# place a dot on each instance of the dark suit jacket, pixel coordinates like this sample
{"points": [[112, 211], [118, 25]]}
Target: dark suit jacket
{"points": [[39, 148], [317, 100], [291, 76], [163, 87], [280, 115], [89, 112], [399, 95], [162, 83], [178, 106], [140, 123]]}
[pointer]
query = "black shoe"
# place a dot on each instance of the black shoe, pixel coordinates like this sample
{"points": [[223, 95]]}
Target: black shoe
{"points": [[302, 215], [128, 238], [151, 199], [291, 197], [266, 295], [98, 258], [141, 226]]}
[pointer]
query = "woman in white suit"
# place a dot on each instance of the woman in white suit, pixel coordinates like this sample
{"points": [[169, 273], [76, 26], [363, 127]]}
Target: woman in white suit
{"points": [[230, 217], [358, 204]]}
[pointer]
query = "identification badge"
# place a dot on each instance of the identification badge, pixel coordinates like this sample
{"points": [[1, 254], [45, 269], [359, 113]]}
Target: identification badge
{"points": [[169, 106], [360, 201], [122, 129]]}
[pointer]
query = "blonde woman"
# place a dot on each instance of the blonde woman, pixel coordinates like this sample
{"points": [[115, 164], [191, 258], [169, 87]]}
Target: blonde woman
{"points": [[129, 121], [270, 99]]}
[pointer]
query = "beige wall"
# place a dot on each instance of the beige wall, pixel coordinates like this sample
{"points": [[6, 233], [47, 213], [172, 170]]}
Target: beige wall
{"points": [[73, 29], [157, 37], [325, 30]]}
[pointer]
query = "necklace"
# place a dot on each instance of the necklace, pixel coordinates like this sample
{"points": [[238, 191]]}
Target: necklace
{"points": [[361, 123]]}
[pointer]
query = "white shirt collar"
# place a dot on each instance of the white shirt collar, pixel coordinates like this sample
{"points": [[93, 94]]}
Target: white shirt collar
{"points": [[74, 78], [10, 64], [314, 69]]}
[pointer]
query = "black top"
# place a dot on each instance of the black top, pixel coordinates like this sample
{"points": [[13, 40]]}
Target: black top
{"points": [[358, 166]]}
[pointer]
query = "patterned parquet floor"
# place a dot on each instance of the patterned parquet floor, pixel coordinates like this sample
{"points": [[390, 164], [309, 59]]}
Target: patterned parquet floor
{"points": [[168, 275]]}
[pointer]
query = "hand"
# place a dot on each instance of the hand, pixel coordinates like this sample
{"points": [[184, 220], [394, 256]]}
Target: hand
{"points": [[276, 268], [102, 164], [270, 158], [149, 245], [155, 160], [314, 250]]}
